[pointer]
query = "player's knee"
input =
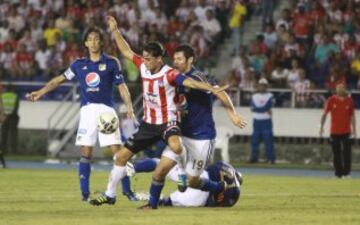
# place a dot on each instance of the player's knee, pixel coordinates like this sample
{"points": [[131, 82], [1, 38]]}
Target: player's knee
{"points": [[122, 156], [175, 145], [86, 151]]}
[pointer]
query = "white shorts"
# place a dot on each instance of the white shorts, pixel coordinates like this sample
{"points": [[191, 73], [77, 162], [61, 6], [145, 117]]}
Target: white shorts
{"points": [[198, 155], [191, 197], [88, 133]]}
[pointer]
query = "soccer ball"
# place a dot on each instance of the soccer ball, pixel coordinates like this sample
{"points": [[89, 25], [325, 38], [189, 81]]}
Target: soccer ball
{"points": [[107, 123]]}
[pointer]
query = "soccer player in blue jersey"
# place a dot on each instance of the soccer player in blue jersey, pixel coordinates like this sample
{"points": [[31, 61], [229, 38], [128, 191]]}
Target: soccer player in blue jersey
{"points": [[197, 124], [97, 74]]}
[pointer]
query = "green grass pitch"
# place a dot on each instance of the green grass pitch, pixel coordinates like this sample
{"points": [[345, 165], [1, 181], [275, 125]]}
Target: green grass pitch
{"points": [[51, 197]]}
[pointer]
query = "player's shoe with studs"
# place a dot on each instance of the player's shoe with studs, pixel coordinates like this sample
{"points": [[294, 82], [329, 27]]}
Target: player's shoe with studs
{"points": [[182, 182], [102, 199]]}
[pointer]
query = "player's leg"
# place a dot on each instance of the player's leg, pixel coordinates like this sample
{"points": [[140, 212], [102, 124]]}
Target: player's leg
{"points": [[158, 179], [336, 148], [176, 145], [144, 165], [269, 141], [170, 134], [141, 139], [255, 140], [190, 198], [85, 171], [86, 138], [199, 155], [346, 155]]}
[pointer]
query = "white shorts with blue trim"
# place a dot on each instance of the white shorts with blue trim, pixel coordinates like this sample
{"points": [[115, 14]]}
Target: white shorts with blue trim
{"points": [[88, 133], [198, 155]]}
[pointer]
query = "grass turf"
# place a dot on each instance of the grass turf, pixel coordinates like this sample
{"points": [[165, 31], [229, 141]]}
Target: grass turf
{"points": [[51, 197]]}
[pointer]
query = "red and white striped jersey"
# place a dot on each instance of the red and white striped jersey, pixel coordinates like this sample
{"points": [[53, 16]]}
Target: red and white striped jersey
{"points": [[159, 93]]}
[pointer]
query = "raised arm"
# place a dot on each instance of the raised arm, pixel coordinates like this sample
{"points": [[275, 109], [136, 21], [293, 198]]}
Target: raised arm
{"points": [[51, 85], [235, 118], [122, 45]]}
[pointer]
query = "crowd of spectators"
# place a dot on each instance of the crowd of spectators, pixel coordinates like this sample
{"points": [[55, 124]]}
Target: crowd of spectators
{"points": [[40, 38], [314, 45]]}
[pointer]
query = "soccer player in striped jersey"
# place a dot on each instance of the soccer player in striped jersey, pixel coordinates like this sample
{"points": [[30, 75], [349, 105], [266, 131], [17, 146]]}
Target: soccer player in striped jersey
{"points": [[161, 116]]}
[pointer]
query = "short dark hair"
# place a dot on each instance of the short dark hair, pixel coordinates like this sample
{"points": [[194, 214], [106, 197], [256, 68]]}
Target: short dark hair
{"points": [[155, 49], [187, 50], [91, 30]]}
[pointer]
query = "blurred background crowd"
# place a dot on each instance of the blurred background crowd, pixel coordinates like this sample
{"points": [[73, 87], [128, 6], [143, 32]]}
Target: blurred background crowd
{"points": [[313, 45]]}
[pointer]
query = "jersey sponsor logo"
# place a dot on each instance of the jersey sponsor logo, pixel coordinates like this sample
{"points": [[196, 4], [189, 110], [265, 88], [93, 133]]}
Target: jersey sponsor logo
{"points": [[92, 79], [151, 99], [102, 67], [84, 68]]}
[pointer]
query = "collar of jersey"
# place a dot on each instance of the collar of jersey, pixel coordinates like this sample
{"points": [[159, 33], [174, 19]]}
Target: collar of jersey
{"points": [[193, 68], [102, 59]]}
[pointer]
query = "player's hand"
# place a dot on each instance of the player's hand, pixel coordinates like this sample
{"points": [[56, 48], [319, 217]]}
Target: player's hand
{"points": [[238, 121], [353, 134], [112, 23], [220, 89], [34, 96], [321, 132]]}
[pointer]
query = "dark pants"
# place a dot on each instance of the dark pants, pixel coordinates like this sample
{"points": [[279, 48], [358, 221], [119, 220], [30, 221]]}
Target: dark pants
{"points": [[262, 130], [9, 134], [341, 147]]}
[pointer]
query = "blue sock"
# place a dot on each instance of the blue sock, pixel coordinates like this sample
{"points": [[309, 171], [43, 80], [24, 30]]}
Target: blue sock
{"points": [[145, 165], [209, 185], [155, 191], [125, 184], [84, 175]]}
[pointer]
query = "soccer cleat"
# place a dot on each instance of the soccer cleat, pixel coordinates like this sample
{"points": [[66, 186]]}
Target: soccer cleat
{"points": [[146, 207], [182, 182], [130, 169], [102, 199], [131, 196]]}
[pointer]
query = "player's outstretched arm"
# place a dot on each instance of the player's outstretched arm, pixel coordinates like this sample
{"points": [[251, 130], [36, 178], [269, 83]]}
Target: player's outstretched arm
{"points": [[51, 85], [191, 83], [235, 118], [126, 97], [122, 45]]}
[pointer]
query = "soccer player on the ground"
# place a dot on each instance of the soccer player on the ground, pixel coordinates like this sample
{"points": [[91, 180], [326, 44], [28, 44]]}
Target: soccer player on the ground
{"points": [[161, 118], [219, 171], [96, 73]]}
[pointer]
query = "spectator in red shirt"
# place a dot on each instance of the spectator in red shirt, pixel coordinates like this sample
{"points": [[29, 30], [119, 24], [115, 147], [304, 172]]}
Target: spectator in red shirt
{"points": [[341, 108], [302, 24], [24, 62]]}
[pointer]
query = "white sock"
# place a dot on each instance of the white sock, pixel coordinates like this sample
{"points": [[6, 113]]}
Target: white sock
{"points": [[116, 174]]}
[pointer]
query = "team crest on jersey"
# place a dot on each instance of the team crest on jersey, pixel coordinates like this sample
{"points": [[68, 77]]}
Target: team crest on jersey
{"points": [[102, 67], [92, 79]]}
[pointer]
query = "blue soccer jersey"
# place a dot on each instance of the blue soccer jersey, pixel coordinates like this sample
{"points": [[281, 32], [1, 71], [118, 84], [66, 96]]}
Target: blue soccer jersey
{"points": [[221, 171], [96, 78], [198, 122]]}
